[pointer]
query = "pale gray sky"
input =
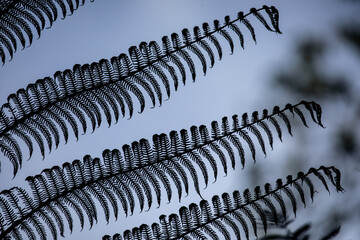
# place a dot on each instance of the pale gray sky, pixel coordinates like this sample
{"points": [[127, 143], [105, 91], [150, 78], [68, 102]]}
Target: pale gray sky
{"points": [[236, 84]]}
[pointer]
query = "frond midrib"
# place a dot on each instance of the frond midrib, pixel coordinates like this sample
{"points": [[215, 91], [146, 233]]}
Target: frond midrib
{"points": [[81, 186], [130, 74]]}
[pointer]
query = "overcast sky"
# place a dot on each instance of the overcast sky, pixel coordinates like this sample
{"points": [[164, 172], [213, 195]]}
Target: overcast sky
{"points": [[236, 84]]}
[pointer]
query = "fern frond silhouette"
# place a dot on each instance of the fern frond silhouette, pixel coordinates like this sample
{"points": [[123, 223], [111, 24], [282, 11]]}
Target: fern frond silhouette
{"points": [[69, 195], [44, 110], [24, 16], [227, 214], [300, 233], [141, 169]]}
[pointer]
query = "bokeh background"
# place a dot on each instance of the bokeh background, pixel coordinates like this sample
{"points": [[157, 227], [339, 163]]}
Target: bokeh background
{"points": [[316, 58]]}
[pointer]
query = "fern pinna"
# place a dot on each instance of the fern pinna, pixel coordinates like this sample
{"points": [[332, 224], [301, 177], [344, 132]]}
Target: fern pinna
{"points": [[44, 110], [237, 215], [22, 16], [141, 170]]}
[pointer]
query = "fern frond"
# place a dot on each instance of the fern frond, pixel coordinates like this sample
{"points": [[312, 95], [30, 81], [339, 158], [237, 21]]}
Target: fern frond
{"points": [[301, 233], [333, 233], [226, 215], [109, 87], [24, 16], [135, 174]]}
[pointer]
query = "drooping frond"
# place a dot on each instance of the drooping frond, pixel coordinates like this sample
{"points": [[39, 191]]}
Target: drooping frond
{"points": [[45, 110], [333, 233], [300, 233], [139, 172], [236, 216], [19, 19]]}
